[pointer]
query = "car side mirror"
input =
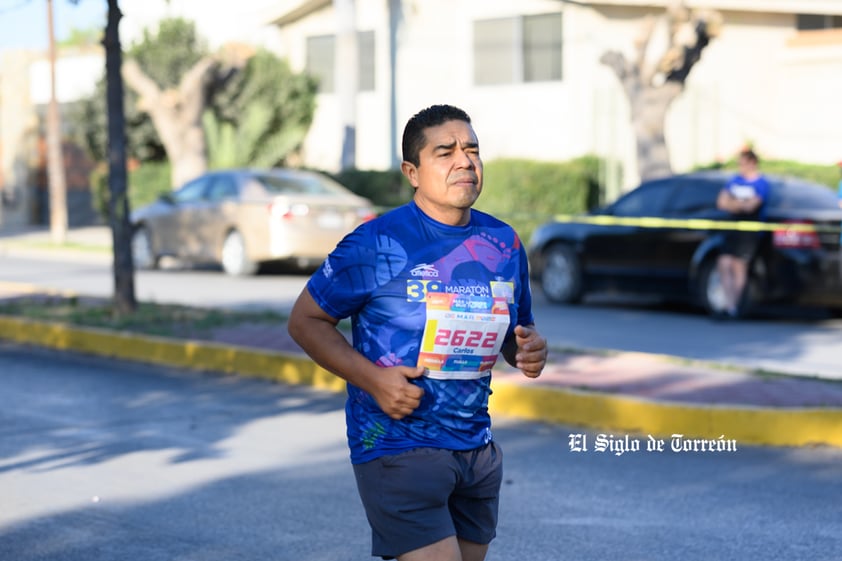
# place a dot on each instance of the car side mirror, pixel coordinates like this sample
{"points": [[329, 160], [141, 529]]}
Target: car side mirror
{"points": [[166, 198]]}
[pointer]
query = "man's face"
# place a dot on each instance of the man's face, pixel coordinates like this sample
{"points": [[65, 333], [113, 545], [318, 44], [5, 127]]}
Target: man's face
{"points": [[746, 164], [448, 179]]}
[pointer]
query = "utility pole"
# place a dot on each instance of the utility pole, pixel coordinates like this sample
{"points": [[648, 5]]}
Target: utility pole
{"points": [[55, 158]]}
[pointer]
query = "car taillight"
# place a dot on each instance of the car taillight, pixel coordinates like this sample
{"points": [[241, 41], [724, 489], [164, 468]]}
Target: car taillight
{"points": [[802, 236], [287, 211]]}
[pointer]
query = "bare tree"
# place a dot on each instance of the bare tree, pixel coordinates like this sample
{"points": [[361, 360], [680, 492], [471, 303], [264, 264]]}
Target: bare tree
{"points": [[652, 81], [177, 114]]}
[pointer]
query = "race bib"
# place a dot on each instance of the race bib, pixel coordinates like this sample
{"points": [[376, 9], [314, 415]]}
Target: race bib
{"points": [[463, 335], [743, 192]]}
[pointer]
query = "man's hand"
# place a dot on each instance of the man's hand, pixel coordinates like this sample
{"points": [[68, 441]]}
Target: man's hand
{"points": [[751, 205], [532, 351], [394, 392]]}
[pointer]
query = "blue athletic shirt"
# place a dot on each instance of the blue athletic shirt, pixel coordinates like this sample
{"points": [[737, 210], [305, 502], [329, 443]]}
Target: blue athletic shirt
{"points": [[743, 188], [379, 276]]}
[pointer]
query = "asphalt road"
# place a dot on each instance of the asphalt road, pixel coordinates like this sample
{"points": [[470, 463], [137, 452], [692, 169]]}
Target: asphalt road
{"points": [[798, 342], [102, 460]]}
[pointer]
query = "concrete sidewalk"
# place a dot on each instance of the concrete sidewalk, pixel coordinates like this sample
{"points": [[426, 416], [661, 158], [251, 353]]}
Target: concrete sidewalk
{"points": [[90, 244], [611, 391]]}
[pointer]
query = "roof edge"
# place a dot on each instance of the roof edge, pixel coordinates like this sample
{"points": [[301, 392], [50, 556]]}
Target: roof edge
{"points": [[303, 10]]}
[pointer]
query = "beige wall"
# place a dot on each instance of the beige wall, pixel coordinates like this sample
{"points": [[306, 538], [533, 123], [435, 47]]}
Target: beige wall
{"points": [[18, 140], [755, 85]]}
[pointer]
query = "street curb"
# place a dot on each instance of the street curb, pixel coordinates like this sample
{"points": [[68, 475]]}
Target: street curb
{"points": [[712, 423], [743, 424]]}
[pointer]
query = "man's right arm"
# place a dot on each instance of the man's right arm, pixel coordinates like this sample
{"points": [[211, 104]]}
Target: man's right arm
{"points": [[315, 331]]}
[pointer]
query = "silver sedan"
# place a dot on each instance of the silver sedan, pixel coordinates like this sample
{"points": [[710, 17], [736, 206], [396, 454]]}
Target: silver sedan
{"points": [[244, 217]]}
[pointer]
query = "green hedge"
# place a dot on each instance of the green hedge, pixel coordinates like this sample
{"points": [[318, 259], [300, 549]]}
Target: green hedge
{"points": [[524, 193], [146, 182], [823, 174], [527, 193], [386, 189], [826, 175]]}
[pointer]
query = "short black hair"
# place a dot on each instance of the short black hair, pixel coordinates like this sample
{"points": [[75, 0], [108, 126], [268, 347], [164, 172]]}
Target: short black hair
{"points": [[749, 155], [433, 116]]}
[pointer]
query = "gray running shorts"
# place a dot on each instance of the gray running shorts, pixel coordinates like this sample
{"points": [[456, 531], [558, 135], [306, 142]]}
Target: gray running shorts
{"points": [[416, 498]]}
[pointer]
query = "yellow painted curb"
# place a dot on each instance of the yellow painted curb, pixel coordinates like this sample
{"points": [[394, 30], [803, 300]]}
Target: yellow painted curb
{"points": [[196, 355], [745, 425]]}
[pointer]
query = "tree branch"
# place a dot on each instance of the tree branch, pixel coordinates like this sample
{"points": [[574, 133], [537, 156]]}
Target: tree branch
{"points": [[145, 87], [192, 90], [627, 73], [641, 42]]}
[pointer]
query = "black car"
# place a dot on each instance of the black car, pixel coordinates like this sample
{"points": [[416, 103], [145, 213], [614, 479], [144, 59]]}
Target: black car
{"points": [[663, 238]]}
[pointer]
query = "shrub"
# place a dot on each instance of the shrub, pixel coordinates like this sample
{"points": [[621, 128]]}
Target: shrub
{"points": [[524, 193], [386, 189], [146, 183], [823, 174], [527, 193]]}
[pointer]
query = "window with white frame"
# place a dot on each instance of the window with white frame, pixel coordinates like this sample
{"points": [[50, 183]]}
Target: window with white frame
{"points": [[321, 52], [517, 49], [812, 22]]}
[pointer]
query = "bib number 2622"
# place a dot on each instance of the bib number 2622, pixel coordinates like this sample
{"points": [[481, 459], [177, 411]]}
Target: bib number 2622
{"points": [[466, 338]]}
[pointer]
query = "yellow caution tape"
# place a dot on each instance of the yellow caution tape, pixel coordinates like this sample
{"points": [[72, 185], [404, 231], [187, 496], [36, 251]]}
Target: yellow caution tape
{"points": [[694, 223]]}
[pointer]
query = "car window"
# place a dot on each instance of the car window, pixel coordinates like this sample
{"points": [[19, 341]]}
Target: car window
{"points": [[647, 200], [191, 192], [302, 185], [693, 197], [222, 187], [795, 194]]}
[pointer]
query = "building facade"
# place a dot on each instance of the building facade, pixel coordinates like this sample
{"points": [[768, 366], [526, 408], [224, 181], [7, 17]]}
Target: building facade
{"points": [[24, 96], [527, 71], [529, 74]]}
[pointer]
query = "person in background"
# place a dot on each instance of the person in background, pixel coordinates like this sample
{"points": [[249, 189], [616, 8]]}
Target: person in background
{"points": [[435, 291], [744, 197]]}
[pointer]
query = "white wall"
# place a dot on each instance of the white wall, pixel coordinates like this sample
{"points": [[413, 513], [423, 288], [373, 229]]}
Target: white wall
{"points": [[434, 65], [76, 77], [218, 21]]}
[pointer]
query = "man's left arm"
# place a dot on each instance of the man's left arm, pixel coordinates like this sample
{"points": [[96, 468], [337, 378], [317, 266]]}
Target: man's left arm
{"points": [[526, 349]]}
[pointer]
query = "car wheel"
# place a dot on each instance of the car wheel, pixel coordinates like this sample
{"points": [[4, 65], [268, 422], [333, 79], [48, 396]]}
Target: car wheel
{"points": [[235, 260], [143, 255], [561, 277], [710, 293]]}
